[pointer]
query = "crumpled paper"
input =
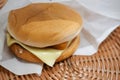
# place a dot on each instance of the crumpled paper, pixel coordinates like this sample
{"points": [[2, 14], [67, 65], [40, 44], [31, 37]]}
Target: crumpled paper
{"points": [[96, 27], [109, 8]]}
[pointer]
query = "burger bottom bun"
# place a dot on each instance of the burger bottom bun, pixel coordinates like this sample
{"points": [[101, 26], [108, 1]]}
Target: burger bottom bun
{"points": [[26, 55]]}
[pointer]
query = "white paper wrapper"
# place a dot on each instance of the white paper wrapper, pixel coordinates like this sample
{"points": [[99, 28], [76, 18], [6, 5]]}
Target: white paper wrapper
{"points": [[96, 28], [109, 8]]}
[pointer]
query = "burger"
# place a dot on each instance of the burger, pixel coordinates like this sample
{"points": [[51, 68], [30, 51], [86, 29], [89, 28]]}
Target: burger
{"points": [[43, 32]]}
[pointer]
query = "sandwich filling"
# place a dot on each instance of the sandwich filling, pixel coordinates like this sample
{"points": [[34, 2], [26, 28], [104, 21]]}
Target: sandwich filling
{"points": [[47, 55]]}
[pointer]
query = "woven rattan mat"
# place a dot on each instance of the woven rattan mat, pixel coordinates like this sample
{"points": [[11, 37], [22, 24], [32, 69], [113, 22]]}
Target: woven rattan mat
{"points": [[104, 65]]}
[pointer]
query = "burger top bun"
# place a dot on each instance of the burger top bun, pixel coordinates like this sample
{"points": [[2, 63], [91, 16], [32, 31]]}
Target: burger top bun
{"points": [[44, 24]]}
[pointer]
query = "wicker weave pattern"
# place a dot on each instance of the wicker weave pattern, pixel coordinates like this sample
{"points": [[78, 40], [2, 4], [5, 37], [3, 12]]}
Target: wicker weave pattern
{"points": [[104, 65], [2, 3]]}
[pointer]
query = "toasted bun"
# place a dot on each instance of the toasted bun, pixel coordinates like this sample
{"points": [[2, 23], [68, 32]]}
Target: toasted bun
{"points": [[44, 24], [26, 55]]}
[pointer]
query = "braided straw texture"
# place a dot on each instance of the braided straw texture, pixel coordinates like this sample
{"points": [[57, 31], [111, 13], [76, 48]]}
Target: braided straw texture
{"points": [[2, 3], [104, 65]]}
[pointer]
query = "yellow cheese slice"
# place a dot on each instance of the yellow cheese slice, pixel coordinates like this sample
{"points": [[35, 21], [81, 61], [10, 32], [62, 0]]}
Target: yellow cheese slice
{"points": [[47, 55]]}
